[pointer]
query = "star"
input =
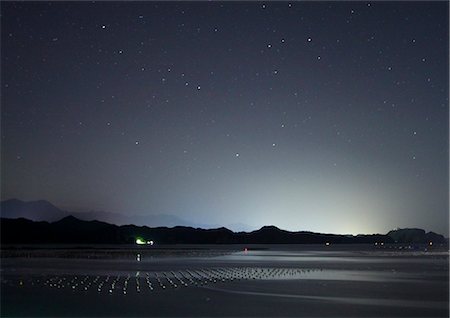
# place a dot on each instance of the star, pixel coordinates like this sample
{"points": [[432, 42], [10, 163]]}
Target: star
{"points": [[245, 98]]}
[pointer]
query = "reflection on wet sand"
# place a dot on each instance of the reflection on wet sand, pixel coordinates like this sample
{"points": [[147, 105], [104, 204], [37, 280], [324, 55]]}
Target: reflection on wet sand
{"points": [[299, 281]]}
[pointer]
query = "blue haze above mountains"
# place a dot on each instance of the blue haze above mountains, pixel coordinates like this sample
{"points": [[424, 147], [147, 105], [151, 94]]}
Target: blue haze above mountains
{"points": [[43, 210], [14, 211]]}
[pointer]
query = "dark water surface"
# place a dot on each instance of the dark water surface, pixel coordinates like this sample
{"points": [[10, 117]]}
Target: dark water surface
{"points": [[264, 280]]}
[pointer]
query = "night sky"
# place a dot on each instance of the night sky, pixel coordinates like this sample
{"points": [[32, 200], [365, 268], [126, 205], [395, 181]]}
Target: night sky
{"points": [[322, 116]]}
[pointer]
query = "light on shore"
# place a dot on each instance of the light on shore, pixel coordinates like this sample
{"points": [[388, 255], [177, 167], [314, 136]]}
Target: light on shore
{"points": [[140, 241]]}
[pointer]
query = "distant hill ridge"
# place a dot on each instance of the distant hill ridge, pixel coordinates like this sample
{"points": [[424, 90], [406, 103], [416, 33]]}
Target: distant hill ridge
{"points": [[71, 230], [42, 210]]}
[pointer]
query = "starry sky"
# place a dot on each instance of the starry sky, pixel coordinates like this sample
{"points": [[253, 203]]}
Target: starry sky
{"points": [[321, 116]]}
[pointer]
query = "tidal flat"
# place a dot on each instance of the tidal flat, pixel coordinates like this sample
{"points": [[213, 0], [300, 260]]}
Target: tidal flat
{"points": [[225, 281]]}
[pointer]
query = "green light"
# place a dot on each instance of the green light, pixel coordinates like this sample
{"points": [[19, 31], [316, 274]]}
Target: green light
{"points": [[140, 241]]}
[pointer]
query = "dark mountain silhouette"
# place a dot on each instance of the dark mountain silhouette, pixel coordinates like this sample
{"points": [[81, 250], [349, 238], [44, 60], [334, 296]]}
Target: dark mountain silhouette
{"points": [[45, 211], [75, 231], [33, 210], [413, 236]]}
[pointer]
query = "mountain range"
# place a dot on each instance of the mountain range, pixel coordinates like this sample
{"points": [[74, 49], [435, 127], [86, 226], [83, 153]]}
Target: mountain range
{"points": [[71, 230], [41, 222], [42, 210]]}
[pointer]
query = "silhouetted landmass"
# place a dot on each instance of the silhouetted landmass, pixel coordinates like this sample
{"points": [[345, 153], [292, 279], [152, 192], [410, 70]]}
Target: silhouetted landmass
{"points": [[75, 231], [414, 236], [42, 210]]}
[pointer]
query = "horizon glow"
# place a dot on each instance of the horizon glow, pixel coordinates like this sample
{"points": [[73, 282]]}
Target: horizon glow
{"points": [[275, 119]]}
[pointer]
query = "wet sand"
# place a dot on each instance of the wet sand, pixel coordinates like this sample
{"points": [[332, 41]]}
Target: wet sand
{"points": [[227, 281]]}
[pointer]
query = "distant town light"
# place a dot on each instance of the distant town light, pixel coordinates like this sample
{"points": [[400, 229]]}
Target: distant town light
{"points": [[140, 241]]}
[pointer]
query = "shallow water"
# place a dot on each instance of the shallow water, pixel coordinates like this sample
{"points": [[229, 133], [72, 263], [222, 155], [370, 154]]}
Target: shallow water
{"points": [[224, 281]]}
